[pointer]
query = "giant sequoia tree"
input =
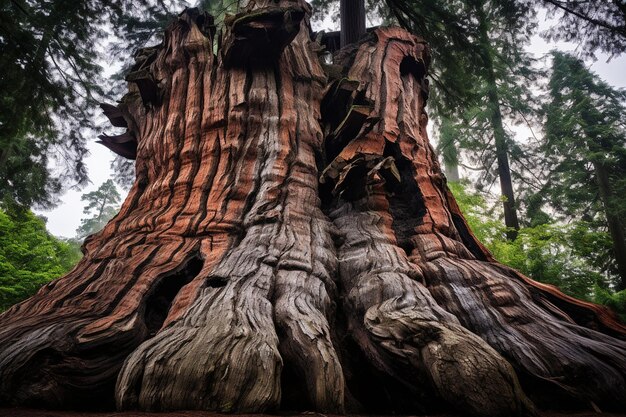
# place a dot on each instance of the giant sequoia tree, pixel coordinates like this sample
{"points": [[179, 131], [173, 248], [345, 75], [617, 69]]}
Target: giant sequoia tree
{"points": [[290, 242]]}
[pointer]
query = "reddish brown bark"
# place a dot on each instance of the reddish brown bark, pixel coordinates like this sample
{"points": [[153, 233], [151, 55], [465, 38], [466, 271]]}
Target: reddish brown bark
{"points": [[290, 242]]}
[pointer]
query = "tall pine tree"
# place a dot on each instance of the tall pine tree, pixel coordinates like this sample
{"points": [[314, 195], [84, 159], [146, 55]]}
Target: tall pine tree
{"points": [[101, 206], [585, 152], [48, 89]]}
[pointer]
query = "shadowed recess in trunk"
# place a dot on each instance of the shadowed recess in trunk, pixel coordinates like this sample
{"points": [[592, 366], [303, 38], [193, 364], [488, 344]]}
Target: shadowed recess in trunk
{"points": [[160, 300]]}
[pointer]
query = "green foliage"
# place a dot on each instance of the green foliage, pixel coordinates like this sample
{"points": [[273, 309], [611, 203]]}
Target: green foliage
{"points": [[49, 88], [594, 24], [548, 253], [101, 206], [570, 256], [29, 256], [557, 254], [482, 220], [616, 301], [585, 125], [584, 156]]}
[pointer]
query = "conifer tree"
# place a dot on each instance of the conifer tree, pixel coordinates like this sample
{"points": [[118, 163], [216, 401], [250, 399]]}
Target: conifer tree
{"points": [[101, 206], [49, 86], [596, 25], [585, 151]]}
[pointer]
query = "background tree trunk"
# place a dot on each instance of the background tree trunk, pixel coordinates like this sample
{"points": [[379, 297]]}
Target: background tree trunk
{"points": [[616, 229], [502, 148], [352, 14], [232, 280]]}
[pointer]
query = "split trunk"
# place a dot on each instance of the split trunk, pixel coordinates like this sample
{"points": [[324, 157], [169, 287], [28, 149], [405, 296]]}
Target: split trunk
{"points": [[290, 243]]}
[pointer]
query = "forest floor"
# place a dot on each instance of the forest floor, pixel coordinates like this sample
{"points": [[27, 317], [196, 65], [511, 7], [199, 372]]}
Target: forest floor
{"points": [[25, 412]]}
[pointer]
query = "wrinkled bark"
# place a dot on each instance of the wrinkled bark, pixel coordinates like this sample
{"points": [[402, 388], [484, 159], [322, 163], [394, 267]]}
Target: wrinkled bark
{"points": [[290, 243]]}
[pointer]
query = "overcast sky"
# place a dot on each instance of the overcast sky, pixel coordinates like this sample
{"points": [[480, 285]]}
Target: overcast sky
{"points": [[63, 220]]}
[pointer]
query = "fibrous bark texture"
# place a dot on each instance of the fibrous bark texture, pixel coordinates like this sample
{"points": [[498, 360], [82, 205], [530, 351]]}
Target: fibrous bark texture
{"points": [[290, 243]]}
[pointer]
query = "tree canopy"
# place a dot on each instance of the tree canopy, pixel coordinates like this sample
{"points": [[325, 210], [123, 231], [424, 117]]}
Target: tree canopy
{"points": [[101, 205], [30, 256], [584, 148], [49, 87], [597, 25]]}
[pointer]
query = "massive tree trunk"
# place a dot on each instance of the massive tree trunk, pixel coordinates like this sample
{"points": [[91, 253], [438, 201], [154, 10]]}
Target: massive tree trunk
{"points": [[290, 243]]}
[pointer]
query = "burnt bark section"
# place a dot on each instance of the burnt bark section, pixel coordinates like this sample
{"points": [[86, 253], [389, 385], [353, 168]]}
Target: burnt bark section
{"points": [[264, 260]]}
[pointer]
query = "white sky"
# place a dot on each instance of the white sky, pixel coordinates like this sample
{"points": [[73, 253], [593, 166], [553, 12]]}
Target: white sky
{"points": [[65, 218]]}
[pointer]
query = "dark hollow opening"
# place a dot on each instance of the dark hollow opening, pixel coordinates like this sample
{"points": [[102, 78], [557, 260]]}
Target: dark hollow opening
{"points": [[216, 282], [294, 395], [410, 66], [160, 300], [406, 202]]}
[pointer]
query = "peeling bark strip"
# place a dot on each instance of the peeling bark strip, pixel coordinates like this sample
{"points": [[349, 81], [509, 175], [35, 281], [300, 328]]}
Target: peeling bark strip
{"points": [[230, 281]]}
